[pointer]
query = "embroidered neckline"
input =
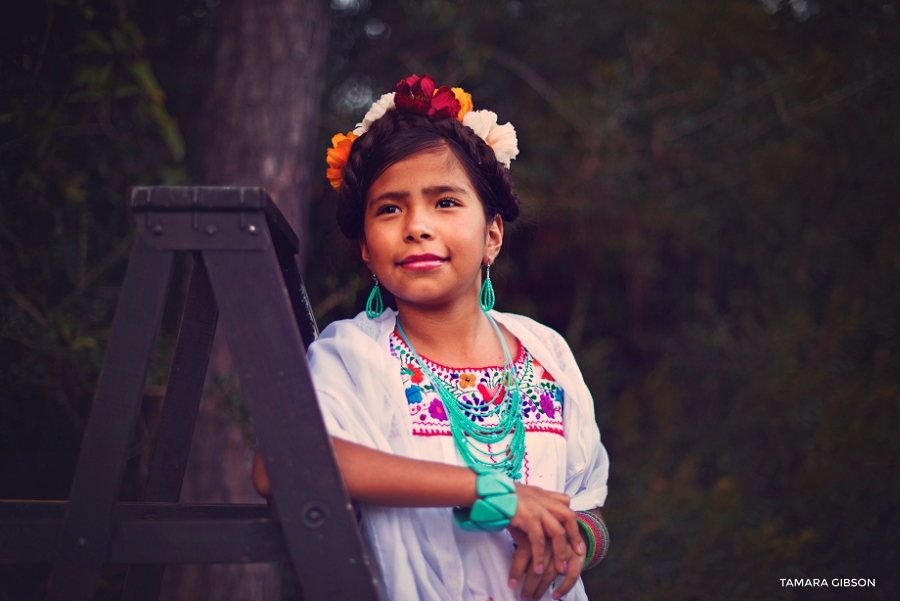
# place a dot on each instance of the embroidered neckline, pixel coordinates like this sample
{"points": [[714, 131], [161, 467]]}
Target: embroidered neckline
{"points": [[520, 356], [542, 400]]}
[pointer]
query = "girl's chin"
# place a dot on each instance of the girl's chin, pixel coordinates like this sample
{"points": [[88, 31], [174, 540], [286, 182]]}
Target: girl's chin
{"points": [[431, 301]]}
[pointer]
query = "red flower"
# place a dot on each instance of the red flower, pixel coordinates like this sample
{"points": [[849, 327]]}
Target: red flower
{"points": [[545, 375], [418, 95], [417, 375], [492, 395]]}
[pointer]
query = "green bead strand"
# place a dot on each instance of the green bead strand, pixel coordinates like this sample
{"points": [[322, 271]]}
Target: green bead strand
{"points": [[466, 432], [375, 304], [487, 297]]}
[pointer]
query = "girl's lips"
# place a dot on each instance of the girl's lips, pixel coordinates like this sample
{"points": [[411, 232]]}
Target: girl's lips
{"points": [[422, 262]]}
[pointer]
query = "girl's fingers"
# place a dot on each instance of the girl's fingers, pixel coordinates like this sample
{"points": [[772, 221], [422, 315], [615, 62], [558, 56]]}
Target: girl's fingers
{"points": [[546, 580], [536, 585], [568, 520], [536, 536], [521, 557], [558, 540], [570, 576]]}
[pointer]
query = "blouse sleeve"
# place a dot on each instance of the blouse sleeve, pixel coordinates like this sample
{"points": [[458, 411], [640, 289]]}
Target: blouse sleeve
{"points": [[334, 389], [587, 470], [351, 377]]}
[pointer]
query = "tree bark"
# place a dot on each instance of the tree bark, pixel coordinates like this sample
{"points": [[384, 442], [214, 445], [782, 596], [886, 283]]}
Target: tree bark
{"points": [[260, 117], [258, 127]]}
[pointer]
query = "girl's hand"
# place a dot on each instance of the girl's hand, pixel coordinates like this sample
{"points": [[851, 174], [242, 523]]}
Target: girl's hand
{"points": [[545, 519], [536, 585]]}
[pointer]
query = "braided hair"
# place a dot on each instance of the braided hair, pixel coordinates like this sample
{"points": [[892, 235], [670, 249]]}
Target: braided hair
{"points": [[397, 136]]}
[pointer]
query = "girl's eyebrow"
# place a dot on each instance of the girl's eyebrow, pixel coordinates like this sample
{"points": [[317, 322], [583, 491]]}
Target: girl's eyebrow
{"points": [[430, 191], [390, 195], [435, 190]]}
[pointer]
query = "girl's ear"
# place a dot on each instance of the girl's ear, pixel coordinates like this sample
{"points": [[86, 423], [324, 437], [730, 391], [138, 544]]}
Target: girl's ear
{"points": [[494, 240], [364, 248]]}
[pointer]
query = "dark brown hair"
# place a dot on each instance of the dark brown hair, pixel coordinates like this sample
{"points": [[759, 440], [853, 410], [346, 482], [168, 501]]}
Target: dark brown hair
{"points": [[399, 135]]}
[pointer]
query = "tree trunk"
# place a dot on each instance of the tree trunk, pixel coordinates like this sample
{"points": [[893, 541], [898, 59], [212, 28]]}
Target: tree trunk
{"points": [[258, 127]]}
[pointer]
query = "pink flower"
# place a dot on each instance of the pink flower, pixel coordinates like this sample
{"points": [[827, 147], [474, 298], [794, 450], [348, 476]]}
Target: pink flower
{"points": [[418, 95]]}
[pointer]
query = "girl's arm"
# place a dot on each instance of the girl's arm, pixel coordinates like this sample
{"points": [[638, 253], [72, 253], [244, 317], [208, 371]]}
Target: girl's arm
{"points": [[379, 478]]}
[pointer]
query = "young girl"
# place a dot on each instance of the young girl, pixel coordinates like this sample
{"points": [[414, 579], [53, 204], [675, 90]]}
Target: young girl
{"points": [[467, 436]]}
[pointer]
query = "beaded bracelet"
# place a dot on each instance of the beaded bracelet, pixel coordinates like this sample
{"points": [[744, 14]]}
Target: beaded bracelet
{"points": [[597, 535], [496, 507]]}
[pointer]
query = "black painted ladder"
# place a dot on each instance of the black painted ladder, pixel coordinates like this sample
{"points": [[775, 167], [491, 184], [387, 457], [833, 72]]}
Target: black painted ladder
{"points": [[244, 268]]}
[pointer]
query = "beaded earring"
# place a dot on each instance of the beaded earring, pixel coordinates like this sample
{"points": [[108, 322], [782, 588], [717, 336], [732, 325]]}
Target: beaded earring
{"points": [[487, 291], [375, 304]]}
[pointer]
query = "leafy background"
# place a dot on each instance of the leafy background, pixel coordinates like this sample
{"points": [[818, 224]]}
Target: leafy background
{"points": [[710, 216]]}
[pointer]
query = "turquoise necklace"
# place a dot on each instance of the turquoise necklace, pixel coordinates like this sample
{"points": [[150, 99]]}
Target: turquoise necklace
{"points": [[467, 431]]}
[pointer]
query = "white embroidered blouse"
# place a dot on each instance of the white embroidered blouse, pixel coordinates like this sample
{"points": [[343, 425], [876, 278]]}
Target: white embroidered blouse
{"points": [[372, 393]]}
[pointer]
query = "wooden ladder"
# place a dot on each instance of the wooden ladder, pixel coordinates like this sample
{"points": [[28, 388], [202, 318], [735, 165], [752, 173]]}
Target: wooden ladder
{"points": [[244, 268]]}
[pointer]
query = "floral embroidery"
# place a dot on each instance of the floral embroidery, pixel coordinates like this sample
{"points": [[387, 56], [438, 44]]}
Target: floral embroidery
{"points": [[542, 398], [467, 380], [492, 395], [414, 371], [547, 405], [436, 410], [413, 395]]}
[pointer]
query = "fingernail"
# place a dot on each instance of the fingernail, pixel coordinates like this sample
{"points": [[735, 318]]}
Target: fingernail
{"points": [[565, 566], [583, 548], [513, 583], [556, 596], [540, 568]]}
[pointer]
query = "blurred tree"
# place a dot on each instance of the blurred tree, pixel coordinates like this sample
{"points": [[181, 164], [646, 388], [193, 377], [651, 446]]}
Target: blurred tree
{"points": [[257, 127]]}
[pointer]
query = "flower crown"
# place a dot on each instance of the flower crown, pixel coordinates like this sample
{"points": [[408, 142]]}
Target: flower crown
{"points": [[418, 95]]}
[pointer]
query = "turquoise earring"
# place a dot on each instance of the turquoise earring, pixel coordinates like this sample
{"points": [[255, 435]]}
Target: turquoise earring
{"points": [[487, 291], [375, 304]]}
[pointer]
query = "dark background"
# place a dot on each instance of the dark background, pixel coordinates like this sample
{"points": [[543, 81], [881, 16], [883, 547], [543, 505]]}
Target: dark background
{"points": [[710, 217]]}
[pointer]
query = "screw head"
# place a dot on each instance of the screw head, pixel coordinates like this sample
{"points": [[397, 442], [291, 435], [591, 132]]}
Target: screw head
{"points": [[252, 229], [211, 229], [314, 516], [157, 230]]}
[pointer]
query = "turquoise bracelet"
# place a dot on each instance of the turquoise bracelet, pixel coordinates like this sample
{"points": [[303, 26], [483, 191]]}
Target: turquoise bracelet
{"points": [[496, 507]]}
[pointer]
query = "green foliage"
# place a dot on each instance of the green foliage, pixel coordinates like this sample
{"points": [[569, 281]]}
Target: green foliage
{"points": [[711, 217], [83, 118]]}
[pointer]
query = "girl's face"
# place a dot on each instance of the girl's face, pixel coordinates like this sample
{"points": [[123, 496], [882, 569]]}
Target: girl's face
{"points": [[425, 234]]}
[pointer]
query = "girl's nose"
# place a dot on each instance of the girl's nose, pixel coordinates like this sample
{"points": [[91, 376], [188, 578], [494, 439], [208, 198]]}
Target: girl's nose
{"points": [[418, 226]]}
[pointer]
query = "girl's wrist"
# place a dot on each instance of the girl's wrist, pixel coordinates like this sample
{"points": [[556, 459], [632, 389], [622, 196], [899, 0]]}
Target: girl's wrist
{"points": [[593, 529], [495, 505]]}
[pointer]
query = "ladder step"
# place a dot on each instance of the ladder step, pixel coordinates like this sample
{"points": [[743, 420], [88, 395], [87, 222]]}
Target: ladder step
{"points": [[150, 533]]}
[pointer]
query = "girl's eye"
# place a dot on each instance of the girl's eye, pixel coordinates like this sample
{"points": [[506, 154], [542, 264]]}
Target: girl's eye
{"points": [[446, 203], [387, 209]]}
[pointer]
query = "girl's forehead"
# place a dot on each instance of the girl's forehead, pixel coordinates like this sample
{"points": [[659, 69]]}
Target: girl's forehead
{"points": [[425, 169]]}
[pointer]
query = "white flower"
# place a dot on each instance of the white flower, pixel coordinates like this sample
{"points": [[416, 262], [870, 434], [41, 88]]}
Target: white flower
{"points": [[501, 138], [381, 106]]}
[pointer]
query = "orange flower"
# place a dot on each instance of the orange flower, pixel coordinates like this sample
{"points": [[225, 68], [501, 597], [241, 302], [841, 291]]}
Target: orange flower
{"points": [[466, 380], [465, 102], [337, 158]]}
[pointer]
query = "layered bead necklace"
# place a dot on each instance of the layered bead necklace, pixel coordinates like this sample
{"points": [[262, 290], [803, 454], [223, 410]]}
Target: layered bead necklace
{"points": [[467, 431]]}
